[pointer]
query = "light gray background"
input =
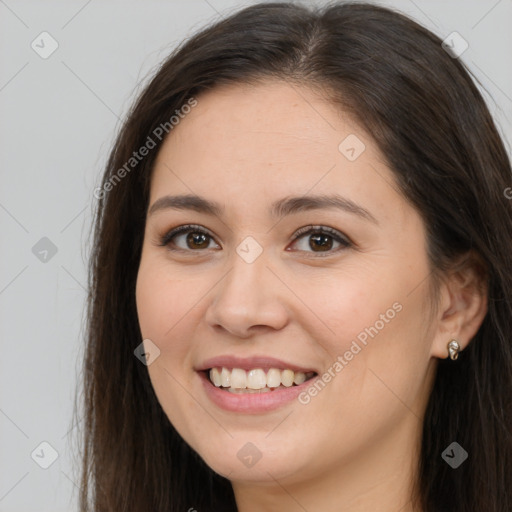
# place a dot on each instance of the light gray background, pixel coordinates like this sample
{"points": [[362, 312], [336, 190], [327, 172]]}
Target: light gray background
{"points": [[58, 117]]}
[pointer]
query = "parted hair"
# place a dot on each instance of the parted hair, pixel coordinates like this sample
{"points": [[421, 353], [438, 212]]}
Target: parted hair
{"points": [[429, 120]]}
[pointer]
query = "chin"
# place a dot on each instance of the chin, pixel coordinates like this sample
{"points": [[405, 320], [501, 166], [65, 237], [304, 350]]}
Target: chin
{"points": [[250, 463]]}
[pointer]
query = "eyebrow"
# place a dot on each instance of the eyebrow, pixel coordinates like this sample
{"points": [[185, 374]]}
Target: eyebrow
{"points": [[282, 207]]}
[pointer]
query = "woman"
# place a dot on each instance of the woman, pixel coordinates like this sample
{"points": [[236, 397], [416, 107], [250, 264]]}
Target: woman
{"points": [[300, 286]]}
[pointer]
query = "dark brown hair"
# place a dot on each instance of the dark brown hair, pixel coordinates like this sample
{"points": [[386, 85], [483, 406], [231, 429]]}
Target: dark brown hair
{"points": [[430, 122]]}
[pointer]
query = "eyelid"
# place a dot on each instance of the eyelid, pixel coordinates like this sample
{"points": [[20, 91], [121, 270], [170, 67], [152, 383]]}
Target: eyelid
{"points": [[168, 236], [313, 228], [340, 237]]}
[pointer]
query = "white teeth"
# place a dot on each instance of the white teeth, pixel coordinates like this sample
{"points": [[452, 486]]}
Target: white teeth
{"points": [[215, 377], [287, 378], [238, 378], [274, 378], [256, 380], [225, 376], [299, 378]]}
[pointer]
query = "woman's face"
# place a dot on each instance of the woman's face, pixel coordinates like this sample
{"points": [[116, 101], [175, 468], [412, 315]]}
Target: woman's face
{"points": [[346, 297]]}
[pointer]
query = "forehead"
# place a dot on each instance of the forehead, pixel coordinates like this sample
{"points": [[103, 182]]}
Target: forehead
{"points": [[239, 118], [271, 139]]}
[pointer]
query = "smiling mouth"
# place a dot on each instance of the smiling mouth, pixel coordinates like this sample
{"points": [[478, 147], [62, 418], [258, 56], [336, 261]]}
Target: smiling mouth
{"points": [[237, 380]]}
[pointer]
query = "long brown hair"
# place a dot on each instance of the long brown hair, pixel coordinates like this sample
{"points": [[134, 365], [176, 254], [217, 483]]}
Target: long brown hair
{"points": [[431, 123]]}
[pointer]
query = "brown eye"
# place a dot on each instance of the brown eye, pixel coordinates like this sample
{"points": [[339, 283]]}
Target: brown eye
{"points": [[188, 238], [196, 240], [323, 242], [320, 239]]}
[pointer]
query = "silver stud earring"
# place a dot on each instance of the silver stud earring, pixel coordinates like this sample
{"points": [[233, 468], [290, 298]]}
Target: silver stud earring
{"points": [[453, 349]]}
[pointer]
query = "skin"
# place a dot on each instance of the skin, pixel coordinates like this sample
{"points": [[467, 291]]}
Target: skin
{"points": [[354, 446]]}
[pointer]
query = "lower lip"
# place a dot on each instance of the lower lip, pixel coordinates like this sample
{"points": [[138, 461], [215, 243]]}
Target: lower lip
{"points": [[252, 402]]}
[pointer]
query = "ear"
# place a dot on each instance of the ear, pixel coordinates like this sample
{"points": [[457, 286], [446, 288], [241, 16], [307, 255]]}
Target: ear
{"points": [[462, 305]]}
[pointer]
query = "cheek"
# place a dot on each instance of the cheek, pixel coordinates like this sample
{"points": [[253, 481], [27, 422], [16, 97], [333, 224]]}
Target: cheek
{"points": [[163, 311], [161, 300], [374, 334], [348, 306], [385, 359]]}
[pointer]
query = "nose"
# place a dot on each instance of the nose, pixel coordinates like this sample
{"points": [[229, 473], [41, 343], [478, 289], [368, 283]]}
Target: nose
{"points": [[248, 299]]}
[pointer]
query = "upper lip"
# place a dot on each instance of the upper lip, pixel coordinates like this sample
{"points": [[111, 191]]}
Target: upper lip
{"points": [[250, 363]]}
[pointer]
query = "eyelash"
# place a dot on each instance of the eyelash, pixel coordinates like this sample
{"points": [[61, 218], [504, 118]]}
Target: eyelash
{"points": [[307, 230]]}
